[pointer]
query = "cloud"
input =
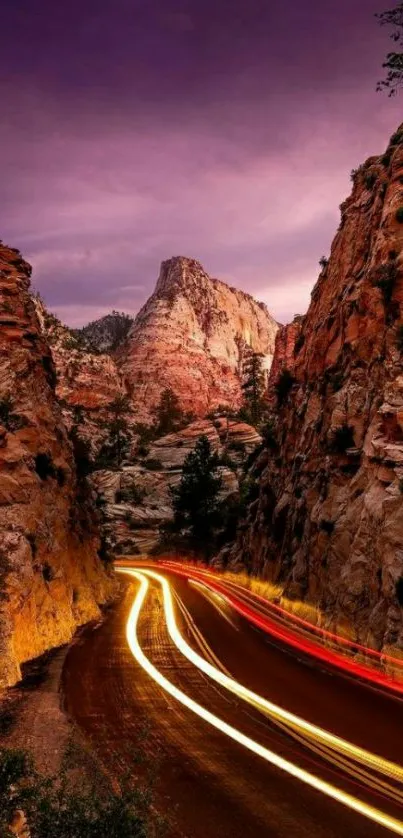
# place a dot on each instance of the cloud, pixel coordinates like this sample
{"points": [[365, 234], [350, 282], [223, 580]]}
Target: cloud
{"points": [[224, 131]]}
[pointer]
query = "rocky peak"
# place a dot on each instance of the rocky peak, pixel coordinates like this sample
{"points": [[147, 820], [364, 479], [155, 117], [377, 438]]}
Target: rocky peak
{"points": [[190, 336], [105, 334], [180, 274]]}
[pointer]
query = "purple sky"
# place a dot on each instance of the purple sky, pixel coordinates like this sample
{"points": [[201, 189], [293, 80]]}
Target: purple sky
{"points": [[225, 130]]}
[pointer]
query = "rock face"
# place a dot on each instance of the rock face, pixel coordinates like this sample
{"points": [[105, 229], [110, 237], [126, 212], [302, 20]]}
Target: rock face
{"points": [[136, 499], [286, 340], [191, 336], [51, 578], [105, 334], [328, 519]]}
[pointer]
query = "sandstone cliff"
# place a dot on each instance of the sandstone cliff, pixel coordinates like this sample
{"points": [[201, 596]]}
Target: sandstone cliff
{"points": [[191, 336], [328, 519], [51, 578]]}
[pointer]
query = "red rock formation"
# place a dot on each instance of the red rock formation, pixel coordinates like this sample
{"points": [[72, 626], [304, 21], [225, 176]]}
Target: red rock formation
{"points": [[284, 351], [50, 575], [329, 517], [190, 336]]}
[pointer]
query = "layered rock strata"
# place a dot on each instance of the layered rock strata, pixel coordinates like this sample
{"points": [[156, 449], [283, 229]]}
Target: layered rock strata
{"points": [[192, 336], [51, 578], [328, 517]]}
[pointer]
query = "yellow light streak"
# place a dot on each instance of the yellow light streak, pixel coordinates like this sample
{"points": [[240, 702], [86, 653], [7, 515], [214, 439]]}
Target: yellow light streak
{"points": [[369, 759], [217, 600], [326, 788]]}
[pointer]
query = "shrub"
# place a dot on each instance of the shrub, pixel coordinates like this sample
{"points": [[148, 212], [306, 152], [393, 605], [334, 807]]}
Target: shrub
{"points": [[323, 262], [283, 386], [47, 572], [268, 433], [11, 421], [384, 277], [236, 446], [104, 551], [399, 338], [343, 438], [370, 180], [60, 809], [50, 371], [44, 466], [227, 462], [153, 464], [6, 406], [130, 494], [299, 343], [399, 215], [143, 451], [326, 526], [396, 138]]}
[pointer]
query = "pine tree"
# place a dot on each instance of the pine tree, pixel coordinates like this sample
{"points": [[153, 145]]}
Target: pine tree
{"points": [[117, 444], [195, 500], [394, 60], [253, 387], [168, 412]]}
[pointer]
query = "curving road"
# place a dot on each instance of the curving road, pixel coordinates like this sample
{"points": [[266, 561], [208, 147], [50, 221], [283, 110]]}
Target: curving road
{"points": [[207, 783]]}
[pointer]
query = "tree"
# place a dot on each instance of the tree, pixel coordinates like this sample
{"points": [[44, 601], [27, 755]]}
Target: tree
{"points": [[394, 60], [253, 387], [116, 446], [168, 412], [195, 500], [63, 808], [283, 386]]}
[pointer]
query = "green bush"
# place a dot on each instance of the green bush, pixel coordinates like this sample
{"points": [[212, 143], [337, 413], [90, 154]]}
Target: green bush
{"points": [[370, 180], [130, 494], [399, 338], [54, 809], [326, 526], [153, 464], [44, 466], [283, 386], [342, 439], [384, 277], [299, 343]]}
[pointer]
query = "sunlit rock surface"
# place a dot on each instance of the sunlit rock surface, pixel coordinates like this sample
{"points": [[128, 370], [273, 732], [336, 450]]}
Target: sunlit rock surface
{"points": [[51, 578], [191, 336], [329, 517]]}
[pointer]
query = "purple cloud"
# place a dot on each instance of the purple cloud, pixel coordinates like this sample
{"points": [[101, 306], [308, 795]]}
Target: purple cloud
{"points": [[224, 131]]}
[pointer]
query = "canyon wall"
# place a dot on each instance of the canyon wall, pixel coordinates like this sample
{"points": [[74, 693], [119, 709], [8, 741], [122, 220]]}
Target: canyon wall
{"points": [[191, 336], [328, 518], [51, 576]]}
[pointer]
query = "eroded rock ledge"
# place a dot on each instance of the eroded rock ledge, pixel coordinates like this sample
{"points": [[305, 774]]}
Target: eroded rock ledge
{"points": [[51, 578], [328, 519]]}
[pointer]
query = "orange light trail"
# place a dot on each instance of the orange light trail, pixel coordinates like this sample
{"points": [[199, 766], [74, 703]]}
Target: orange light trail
{"points": [[285, 635], [368, 811]]}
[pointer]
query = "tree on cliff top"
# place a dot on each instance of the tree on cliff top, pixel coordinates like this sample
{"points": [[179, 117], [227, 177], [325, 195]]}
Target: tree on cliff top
{"points": [[394, 60], [195, 500]]}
